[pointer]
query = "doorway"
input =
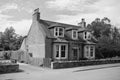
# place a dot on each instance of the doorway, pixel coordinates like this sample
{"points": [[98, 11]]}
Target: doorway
{"points": [[75, 53]]}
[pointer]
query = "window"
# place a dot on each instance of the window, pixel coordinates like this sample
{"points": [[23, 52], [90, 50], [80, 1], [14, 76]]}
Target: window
{"points": [[87, 35], [59, 32], [57, 50], [60, 51], [91, 51], [87, 50], [63, 50], [74, 34]]}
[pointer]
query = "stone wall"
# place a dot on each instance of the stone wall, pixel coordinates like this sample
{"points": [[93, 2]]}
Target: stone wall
{"points": [[9, 67], [69, 64]]}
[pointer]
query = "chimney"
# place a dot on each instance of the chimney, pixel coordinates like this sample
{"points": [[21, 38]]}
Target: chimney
{"points": [[82, 23], [36, 14]]}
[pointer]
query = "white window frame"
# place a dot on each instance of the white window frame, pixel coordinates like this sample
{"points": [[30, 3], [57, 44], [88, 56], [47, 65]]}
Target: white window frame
{"points": [[58, 32], [76, 33], [92, 51], [88, 55], [87, 35], [66, 51]]}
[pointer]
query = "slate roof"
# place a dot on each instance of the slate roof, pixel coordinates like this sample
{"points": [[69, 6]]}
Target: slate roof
{"points": [[47, 25], [52, 23]]}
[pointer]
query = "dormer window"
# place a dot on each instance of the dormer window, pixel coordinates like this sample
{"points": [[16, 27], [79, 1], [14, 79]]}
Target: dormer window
{"points": [[86, 35], [74, 34], [59, 32]]}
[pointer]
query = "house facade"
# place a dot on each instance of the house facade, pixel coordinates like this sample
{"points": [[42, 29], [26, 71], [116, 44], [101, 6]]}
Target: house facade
{"points": [[49, 41]]}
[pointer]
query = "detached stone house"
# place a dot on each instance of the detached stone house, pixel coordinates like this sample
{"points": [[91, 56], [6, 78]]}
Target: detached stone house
{"points": [[49, 41]]}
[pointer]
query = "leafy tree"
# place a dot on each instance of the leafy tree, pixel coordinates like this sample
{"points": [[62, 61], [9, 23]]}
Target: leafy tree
{"points": [[100, 28], [10, 40], [108, 38]]}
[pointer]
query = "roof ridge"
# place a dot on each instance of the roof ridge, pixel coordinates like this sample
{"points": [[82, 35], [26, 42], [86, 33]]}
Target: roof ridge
{"points": [[60, 23]]}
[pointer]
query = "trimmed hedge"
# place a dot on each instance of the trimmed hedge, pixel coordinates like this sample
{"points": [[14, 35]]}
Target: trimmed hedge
{"points": [[69, 64]]}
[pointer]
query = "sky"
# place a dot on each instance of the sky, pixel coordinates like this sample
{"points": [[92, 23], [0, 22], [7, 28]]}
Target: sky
{"points": [[18, 13]]}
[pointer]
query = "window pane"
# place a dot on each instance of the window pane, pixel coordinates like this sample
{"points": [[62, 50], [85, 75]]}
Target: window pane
{"points": [[62, 53], [60, 31], [57, 50], [74, 34], [57, 47], [85, 35], [87, 51], [63, 49], [57, 53], [89, 36], [56, 31], [91, 51]]}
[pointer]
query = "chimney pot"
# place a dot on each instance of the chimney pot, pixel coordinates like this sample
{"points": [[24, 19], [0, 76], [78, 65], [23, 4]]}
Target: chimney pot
{"points": [[83, 20], [36, 15], [36, 10], [82, 23]]}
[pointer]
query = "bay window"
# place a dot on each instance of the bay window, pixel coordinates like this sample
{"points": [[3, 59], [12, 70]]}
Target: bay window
{"points": [[89, 51], [60, 51]]}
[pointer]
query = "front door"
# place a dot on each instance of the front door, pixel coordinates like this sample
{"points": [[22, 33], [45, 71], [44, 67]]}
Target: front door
{"points": [[75, 53]]}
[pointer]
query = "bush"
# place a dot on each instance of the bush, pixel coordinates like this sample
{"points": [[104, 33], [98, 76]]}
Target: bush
{"points": [[7, 55]]}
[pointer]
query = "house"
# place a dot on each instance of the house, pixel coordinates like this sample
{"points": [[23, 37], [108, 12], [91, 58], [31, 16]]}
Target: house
{"points": [[49, 41]]}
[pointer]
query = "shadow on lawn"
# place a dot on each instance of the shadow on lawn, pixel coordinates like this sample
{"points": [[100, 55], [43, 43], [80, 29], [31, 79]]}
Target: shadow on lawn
{"points": [[97, 68]]}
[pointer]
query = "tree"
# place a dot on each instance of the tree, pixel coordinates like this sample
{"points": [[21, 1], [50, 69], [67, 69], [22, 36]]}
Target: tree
{"points": [[10, 40], [100, 28], [108, 38]]}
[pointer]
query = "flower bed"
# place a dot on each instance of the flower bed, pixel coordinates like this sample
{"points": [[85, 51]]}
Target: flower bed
{"points": [[69, 64]]}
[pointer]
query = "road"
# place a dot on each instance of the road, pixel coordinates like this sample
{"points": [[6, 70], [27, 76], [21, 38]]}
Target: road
{"points": [[99, 72]]}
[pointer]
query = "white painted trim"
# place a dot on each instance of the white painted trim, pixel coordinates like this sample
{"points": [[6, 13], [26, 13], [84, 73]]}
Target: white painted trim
{"points": [[76, 34], [58, 32], [87, 34], [89, 54], [66, 51]]}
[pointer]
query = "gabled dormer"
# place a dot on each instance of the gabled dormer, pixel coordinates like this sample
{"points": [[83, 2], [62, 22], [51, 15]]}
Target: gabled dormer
{"points": [[59, 32], [72, 32], [84, 32], [87, 35]]}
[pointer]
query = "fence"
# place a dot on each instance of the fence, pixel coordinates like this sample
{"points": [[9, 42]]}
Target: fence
{"points": [[23, 56]]}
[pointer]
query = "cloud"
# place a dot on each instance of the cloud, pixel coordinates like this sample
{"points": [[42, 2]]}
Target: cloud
{"points": [[4, 18], [75, 19], [89, 9], [72, 5], [8, 6], [21, 27]]}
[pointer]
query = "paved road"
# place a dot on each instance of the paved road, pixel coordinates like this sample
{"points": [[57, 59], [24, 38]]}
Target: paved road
{"points": [[101, 72]]}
